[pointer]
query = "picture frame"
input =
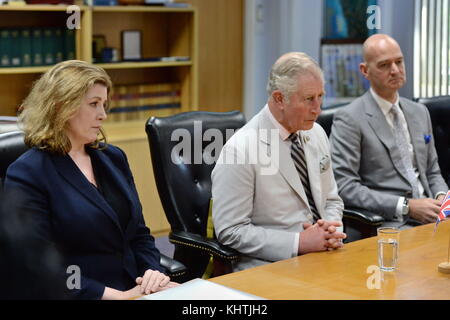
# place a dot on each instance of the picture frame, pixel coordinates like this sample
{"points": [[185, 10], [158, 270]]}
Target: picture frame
{"points": [[131, 45]]}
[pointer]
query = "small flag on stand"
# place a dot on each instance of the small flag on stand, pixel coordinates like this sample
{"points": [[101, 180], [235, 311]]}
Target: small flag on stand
{"points": [[444, 212], [445, 209]]}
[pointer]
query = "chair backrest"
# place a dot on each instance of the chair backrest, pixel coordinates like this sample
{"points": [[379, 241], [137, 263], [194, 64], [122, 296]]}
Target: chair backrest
{"points": [[183, 149], [326, 117], [8, 124], [439, 108], [11, 147]]}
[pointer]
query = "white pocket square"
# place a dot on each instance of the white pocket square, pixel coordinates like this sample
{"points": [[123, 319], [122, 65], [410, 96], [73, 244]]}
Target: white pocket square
{"points": [[324, 163]]}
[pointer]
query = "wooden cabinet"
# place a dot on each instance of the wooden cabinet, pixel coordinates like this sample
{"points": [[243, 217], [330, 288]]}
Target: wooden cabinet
{"points": [[166, 32]]}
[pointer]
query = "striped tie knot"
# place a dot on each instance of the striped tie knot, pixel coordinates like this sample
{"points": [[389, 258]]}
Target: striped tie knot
{"points": [[293, 137]]}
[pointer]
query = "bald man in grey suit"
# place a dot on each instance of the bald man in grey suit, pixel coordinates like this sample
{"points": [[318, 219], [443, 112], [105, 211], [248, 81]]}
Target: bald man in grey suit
{"points": [[382, 145]]}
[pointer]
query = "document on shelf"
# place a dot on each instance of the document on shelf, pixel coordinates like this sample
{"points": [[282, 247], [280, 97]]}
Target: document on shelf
{"points": [[199, 289]]}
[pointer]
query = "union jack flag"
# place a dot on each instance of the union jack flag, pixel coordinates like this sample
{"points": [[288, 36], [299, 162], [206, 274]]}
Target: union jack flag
{"points": [[445, 209]]}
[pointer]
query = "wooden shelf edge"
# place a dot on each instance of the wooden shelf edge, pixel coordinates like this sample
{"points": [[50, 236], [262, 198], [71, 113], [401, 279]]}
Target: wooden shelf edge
{"points": [[63, 7], [38, 7], [140, 9], [108, 66], [24, 70], [132, 65]]}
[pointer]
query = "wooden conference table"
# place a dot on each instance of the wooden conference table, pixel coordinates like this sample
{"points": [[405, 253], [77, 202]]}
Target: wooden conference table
{"points": [[342, 274]]}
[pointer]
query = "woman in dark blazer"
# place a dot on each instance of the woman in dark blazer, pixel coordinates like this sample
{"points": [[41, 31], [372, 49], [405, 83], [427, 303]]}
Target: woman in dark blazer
{"points": [[80, 191]]}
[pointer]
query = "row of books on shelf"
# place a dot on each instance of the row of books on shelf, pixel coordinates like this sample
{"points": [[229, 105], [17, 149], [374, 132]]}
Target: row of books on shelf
{"points": [[340, 64], [22, 47], [136, 102]]}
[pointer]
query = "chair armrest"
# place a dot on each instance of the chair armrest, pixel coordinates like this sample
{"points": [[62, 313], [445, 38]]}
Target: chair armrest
{"points": [[197, 241], [173, 267], [363, 216]]}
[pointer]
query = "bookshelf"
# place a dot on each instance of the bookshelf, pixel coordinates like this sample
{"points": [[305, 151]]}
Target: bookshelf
{"points": [[166, 32]]}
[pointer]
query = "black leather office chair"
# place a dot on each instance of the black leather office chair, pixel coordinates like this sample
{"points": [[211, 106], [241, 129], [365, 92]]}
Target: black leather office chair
{"points": [[326, 116], [12, 146], [8, 124], [358, 224], [439, 108], [183, 179]]}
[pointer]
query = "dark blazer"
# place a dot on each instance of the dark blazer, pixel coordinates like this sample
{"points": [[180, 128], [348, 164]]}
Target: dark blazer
{"points": [[68, 211]]}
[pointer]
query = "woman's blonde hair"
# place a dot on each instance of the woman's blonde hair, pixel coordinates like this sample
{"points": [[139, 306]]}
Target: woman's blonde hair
{"points": [[54, 99]]}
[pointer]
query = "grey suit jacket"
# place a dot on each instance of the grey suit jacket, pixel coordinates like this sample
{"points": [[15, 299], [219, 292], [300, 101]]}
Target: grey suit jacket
{"points": [[258, 199], [366, 162]]}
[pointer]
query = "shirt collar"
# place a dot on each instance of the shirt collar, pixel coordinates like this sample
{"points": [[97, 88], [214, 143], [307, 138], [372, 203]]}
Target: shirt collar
{"points": [[284, 134], [384, 105]]}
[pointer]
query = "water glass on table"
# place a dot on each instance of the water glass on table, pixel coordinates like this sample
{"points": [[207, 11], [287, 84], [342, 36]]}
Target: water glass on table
{"points": [[388, 246]]}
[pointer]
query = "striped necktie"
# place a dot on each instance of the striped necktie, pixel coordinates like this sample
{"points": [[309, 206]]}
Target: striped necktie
{"points": [[402, 144], [298, 156]]}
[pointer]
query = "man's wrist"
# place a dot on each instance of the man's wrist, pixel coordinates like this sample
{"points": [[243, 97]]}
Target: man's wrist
{"points": [[399, 208], [439, 194], [296, 248], [405, 207]]}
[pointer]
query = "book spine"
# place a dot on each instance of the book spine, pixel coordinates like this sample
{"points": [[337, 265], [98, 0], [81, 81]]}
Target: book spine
{"points": [[58, 45], [112, 105], [16, 59], [25, 49], [5, 46], [37, 58], [69, 44], [48, 46]]}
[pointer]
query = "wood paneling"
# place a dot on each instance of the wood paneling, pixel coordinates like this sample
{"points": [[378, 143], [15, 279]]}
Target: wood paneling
{"points": [[220, 41]]}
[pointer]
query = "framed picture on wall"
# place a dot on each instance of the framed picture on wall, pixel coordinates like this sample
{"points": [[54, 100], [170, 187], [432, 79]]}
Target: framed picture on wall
{"points": [[131, 45], [340, 59]]}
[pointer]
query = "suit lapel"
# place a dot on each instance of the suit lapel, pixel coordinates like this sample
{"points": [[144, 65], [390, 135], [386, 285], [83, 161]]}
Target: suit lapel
{"points": [[285, 164], [378, 122], [417, 140], [72, 174], [117, 178]]}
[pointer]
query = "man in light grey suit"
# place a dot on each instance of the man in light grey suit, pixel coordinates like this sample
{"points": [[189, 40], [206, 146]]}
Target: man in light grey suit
{"points": [[266, 204], [382, 145]]}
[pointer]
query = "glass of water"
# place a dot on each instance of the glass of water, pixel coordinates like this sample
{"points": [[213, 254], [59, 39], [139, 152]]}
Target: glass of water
{"points": [[388, 246]]}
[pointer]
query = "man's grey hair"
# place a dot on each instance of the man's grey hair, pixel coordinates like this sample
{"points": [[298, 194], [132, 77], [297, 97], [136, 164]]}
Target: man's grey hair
{"points": [[286, 70]]}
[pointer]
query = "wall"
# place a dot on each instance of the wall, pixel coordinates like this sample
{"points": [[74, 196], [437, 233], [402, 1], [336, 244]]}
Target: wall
{"points": [[397, 18], [220, 43], [274, 27], [296, 25], [261, 30]]}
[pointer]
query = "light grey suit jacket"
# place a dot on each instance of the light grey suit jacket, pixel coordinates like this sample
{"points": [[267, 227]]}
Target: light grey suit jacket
{"points": [[258, 208], [367, 164]]}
